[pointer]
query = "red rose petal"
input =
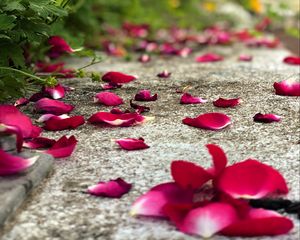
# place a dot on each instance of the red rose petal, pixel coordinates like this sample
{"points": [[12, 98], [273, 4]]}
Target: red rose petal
{"points": [[119, 111], [110, 85], [208, 220], [10, 164], [187, 98], [219, 159], [292, 60], [144, 58], [245, 58], [113, 188], [47, 116], [226, 103], [56, 92], [287, 88], [58, 47], [131, 143], [56, 123], [145, 95], [39, 142], [266, 118], [251, 179], [21, 102], [152, 203], [108, 99], [188, 175], [164, 74], [209, 57], [64, 147], [123, 120], [211, 121], [259, 222], [6, 129], [53, 106], [139, 108], [117, 77]]}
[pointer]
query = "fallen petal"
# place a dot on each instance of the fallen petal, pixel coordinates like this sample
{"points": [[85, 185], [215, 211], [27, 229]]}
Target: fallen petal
{"points": [[209, 57], [287, 88], [226, 103], [187, 98], [139, 108], [112, 189], [144, 58], [56, 123], [219, 159], [164, 74], [117, 77], [131, 143], [64, 147], [108, 99], [53, 106], [7, 129], [292, 60], [245, 58], [56, 92], [211, 121], [110, 85], [39, 142], [266, 118], [145, 95], [21, 102]]}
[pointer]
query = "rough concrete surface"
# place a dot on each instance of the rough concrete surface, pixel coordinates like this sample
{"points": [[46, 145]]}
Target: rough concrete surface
{"points": [[60, 209]]}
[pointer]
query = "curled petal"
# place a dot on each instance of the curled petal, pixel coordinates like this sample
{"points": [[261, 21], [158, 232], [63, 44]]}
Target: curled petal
{"points": [[259, 222], [144, 58], [287, 88], [39, 142], [113, 188], [47, 116], [226, 103], [117, 77], [132, 143], [209, 57], [139, 108], [266, 118], [123, 120], [21, 102], [292, 60], [188, 175], [145, 95], [245, 58], [10, 164], [153, 202], [53, 106], [108, 99], [58, 47], [251, 179], [211, 121], [56, 123], [110, 85], [187, 98], [208, 220], [7, 129], [56, 92], [164, 74], [219, 159], [64, 147]]}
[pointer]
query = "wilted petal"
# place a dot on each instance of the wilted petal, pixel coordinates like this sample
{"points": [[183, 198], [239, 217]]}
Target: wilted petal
{"points": [[123, 120], [117, 77], [10, 164], [211, 121], [145, 95], [208, 220], [219, 159], [226, 103], [245, 58], [251, 179], [132, 143], [259, 222], [139, 108], [7, 129], [209, 57], [188, 175], [187, 98], [57, 123], [113, 188], [39, 142], [153, 202], [292, 60], [164, 74], [53, 106], [21, 102], [56, 92], [266, 118], [108, 99], [287, 88], [64, 147]]}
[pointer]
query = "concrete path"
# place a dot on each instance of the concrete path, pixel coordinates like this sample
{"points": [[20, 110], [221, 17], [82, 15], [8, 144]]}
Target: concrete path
{"points": [[59, 210]]}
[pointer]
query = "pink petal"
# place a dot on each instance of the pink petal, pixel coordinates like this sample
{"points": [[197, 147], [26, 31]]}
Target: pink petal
{"points": [[117, 77], [209, 57], [53, 106], [108, 99], [144, 58], [287, 88], [123, 120], [251, 179], [188, 175], [266, 118], [10, 164], [208, 220], [56, 123], [21, 102], [152, 203], [58, 47], [245, 58], [259, 222], [39, 142], [187, 98], [226, 103], [145, 95], [64, 147], [164, 74], [7, 129], [131, 143], [110, 85], [56, 92], [139, 108], [292, 60], [113, 188], [219, 159], [184, 52], [211, 121], [47, 116]]}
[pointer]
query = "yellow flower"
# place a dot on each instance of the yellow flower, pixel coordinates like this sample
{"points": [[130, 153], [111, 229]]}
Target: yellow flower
{"points": [[256, 6]]}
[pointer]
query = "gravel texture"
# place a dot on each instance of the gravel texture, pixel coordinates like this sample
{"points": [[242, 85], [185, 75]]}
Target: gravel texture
{"points": [[61, 210]]}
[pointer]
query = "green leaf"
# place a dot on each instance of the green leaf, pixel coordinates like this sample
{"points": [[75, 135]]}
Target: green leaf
{"points": [[6, 22], [14, 5]]}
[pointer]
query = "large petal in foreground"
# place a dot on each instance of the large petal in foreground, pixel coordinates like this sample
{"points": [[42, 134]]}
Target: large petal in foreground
{"points": [[57, 123], [132, 143], [53, 106], [113, 188], [287, 88], [117, 77], [292, 60], [108, 99], [210, 121], [64, 147]]}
